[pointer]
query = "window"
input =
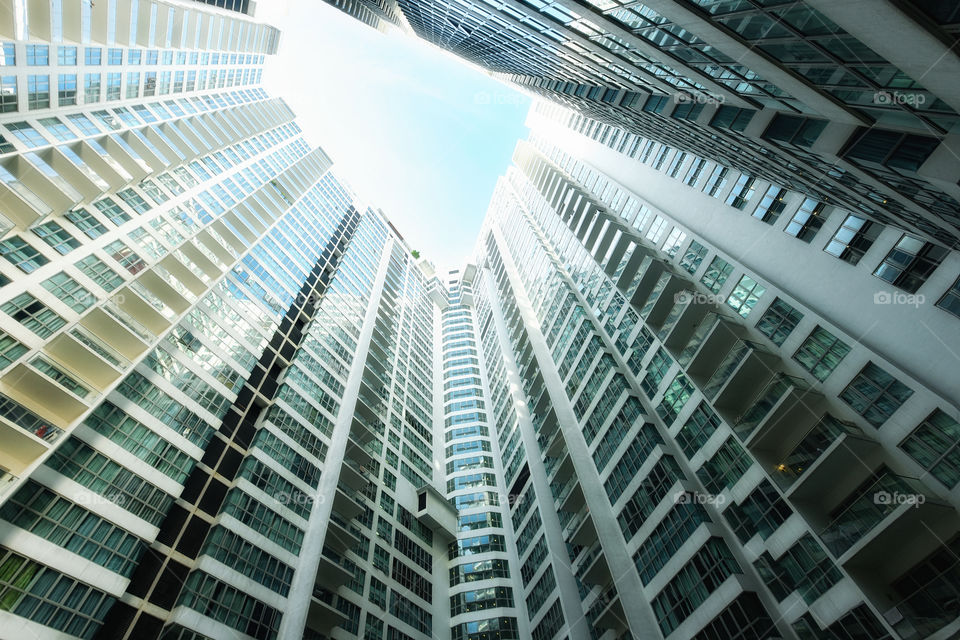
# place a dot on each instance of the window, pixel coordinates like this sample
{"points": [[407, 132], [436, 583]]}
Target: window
{"points": [[715, 183], [8, 94], [84, 220], [802, 132], [97, 270], [935, 446], [950, 301], [112, 210], [69, 291], [10, 350], [778, 321], [57, 129], [67, 89], [655, 232], [716, 274], [674, 240], [33, 314], [91, 87], [92, 55], [909, 263], [8, 54], [891, 149], [875, 394], [762, 512], [38, 55], [66, 56], [693, 174], [745, 296], [57, 237], [83, 123], [693, 257], [742, 192], [113, 86], [771, 205], [115, 57], [133, 85], [22, 255], [821, 352], [26, 134], [807, 220], [852, 239], [38, 92]]}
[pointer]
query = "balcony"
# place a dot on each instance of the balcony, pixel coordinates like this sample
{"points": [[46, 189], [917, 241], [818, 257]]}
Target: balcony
{"points": [[339, 536], [774, 411], [580, 529], [593, 567], [830, 450], [358, 453], [570, 497], [7, 480], [708, 343], [563, 469], [24, 435], [879, 516], [348, 503], [323, 616], [745, 367], [48, 390], [666, 302], [353, 475], [330, 574], [607, 611]]}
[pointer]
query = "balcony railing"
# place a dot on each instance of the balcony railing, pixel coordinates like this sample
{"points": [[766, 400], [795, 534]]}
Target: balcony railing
{"points": [[874, 503]]}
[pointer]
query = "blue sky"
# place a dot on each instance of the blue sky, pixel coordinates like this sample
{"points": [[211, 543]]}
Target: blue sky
{"points": [[414, 130]]}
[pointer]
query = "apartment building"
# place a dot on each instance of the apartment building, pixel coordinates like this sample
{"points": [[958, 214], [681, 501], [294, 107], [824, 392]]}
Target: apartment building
{"points": [[852, 102], [734, 440], [665, 397]]}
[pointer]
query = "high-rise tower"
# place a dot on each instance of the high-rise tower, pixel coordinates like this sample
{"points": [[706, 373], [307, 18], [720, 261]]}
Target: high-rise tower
{"points": [[732, 451], [850, 102], [668, 396]]}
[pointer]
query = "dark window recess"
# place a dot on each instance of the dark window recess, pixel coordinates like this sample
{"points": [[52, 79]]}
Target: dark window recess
{"points": [[656, 104], [521, 481], [167, 589], [891, 149], [422, 501], [734, 118], [147, 627], [213, 497], [687, 111], [150, 564], [230, 463], [802, 132], [193, 537], [172, 524], [116, 621], [246, 432], [213, 451], [193, 487]]}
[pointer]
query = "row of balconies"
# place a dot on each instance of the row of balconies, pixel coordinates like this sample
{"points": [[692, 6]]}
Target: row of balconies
{"points": [[783, 422]]}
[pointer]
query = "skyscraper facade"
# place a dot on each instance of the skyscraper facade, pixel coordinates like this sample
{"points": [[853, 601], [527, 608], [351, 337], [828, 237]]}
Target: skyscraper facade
{"points": [[725, 449], [204, 338], [852, 102], [651, 404]]}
